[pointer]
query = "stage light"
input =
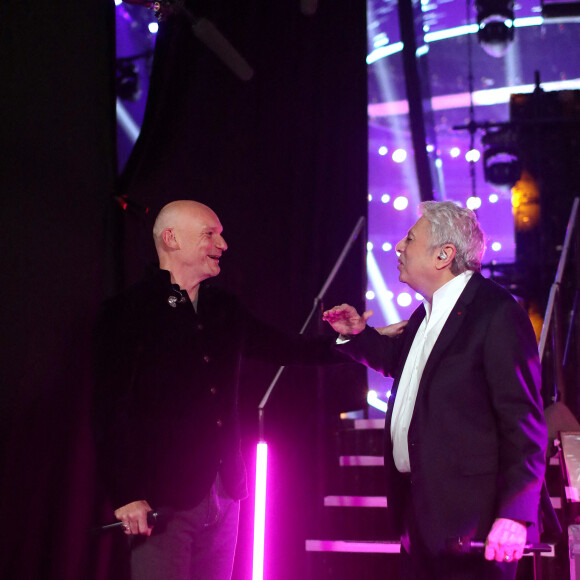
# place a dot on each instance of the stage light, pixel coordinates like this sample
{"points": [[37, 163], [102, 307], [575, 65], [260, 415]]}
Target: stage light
{"points": [[127, 123], [370, 295], [493, 198], [502, 166], [495, 19], [383, 150], [385, 198], [399, 155], [370, 246], [374, 401], [473, 203], [455, 152], [260, 511], [153, 27], [401, 203], [496, 246], [370, 197], [472, 156], [387, 247], [127, 83], [404, 299], [384, 295], [526, 203]]}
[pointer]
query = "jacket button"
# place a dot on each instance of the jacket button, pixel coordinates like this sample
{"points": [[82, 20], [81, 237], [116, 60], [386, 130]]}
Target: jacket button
{"points": [[200, 326], [213, 390], [219, 423], [206, 358]]}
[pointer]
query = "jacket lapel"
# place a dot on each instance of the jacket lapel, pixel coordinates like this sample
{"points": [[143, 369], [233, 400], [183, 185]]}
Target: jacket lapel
{"points": [[451, 327]]}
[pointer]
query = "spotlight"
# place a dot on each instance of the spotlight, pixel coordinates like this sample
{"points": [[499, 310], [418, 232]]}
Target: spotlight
{"points": [[128, 86], [502, 165], [399, 155], [401, 203], [495, 19], [404, 299], [473, 203]]}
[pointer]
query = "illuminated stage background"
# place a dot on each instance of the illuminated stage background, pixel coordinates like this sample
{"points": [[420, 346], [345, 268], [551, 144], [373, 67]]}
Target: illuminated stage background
{"points": [[451, 47], [58, 178]]}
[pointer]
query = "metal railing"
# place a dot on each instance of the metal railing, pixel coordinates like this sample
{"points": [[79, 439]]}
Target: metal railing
{"points": [[559, 345]]}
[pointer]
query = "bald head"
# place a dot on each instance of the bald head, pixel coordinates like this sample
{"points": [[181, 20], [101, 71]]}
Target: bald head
{"points": [[189, 242], [176, 214]]}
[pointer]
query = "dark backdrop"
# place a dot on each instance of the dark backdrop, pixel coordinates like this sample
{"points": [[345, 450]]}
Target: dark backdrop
{"points": [[56, 173], [282, 160]]}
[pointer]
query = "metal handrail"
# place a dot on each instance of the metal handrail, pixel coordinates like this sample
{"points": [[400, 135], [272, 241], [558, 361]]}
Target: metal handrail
{"points": [[317, 302], [570, 228]]}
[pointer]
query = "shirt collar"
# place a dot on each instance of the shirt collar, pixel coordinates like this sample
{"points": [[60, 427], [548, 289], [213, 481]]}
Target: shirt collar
{"points": [[445, 297]]}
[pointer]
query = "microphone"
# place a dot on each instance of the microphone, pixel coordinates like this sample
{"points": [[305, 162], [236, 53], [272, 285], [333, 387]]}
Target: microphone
{"points": [[153, 518], [173, 301], [467, 546]]}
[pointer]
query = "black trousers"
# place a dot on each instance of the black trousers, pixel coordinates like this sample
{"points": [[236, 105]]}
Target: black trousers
{"points": [[417, 563]]}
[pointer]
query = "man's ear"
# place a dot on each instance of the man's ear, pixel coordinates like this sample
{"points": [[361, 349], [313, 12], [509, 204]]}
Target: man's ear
{"points": [[168, 237], [446, 255]]}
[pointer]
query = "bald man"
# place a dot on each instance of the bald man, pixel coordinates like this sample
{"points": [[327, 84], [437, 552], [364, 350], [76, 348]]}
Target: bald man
{"points": [[168, 354]]}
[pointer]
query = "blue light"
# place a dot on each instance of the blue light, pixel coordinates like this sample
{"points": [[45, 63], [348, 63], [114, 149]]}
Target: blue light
{"points": [[384, 51]]}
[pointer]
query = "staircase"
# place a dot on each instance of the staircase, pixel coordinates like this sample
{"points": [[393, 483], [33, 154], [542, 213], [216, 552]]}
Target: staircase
{"points": [[356, 538]]}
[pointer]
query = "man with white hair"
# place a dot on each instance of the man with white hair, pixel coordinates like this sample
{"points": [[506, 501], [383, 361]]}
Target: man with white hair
{"points": [[465, 436]]}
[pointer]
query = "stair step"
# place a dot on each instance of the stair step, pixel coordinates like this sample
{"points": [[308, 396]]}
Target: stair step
{"points": [[369, 424], [356, 480], [356, 442], [352, 566], [353, 546], [355, 501], [377, 501], [361, 547], [361, 460]]}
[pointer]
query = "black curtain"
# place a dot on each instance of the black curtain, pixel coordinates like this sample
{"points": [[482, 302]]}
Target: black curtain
{"points": [[56, 174], [282, 160]]}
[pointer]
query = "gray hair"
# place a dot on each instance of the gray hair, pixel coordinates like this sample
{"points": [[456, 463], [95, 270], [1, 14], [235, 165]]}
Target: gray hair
{"points": [[451, 224]]}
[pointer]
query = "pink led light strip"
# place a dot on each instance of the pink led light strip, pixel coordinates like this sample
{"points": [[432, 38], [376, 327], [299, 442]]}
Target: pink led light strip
{"points": [[260, 511]]}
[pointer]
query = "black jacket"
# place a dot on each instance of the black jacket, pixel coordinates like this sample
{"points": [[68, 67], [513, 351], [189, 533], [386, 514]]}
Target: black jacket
{"points": [[477, 438], [165, 408]]}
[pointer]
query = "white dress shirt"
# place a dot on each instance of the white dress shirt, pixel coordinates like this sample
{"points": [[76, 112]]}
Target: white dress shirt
{"points": [[444, 300]]}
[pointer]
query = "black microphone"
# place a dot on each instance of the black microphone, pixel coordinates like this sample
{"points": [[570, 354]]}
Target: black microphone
{"points": [[153, 518], [467, 546]]}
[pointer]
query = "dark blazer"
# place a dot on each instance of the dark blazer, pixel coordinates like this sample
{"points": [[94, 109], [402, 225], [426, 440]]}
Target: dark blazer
{"points": [[166, 393], [477, 437]]}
